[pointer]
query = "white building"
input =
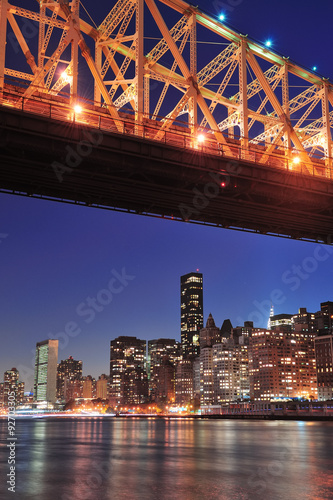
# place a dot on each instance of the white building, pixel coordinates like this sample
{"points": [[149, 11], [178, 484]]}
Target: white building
{"points": [[226, 372]]}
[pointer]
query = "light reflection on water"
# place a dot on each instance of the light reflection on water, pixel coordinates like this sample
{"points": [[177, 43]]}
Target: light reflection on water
{"points": [[120, 459]]}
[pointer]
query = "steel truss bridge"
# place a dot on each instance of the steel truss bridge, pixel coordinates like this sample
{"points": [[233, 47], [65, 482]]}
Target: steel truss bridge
{"points": [[163, 110]]}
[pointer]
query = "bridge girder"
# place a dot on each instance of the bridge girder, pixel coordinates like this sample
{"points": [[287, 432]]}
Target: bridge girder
{"points": [[165, 81]]}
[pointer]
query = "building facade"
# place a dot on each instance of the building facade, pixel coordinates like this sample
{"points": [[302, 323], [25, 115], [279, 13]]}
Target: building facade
{"points": [[12, 385], [184, 382], [128, 367], [191, 289], [209, 335], [45, 381], [68, 370], [281, 365], [324, 365], [226, 372]]}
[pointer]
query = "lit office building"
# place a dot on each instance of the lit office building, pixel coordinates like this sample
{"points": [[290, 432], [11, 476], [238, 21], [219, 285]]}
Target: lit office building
{"points": [[184, 381], [191, 287], [163, 355], [135, 386], [206, 376], [12, 385], [72, 390], [45, 381], [128, 366], [68, 370], [160, 349], [281, 322], [196, 378], [304, 322], [324, 362], [226, 372], [324, 318], [281, 365], [242, 331], [209, 335]]}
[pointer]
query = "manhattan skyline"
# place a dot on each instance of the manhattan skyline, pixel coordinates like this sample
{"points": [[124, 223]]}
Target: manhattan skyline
{"points": [[55, 256]]}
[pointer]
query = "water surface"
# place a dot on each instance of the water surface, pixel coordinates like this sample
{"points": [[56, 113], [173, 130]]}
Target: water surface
{"points": [[120, 459]]}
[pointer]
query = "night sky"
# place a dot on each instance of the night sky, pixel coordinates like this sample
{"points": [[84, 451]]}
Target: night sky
{"points": [[55, 256]]}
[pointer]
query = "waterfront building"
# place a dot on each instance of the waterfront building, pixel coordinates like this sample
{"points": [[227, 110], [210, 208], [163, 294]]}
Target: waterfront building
{"points": [[281, 365], [128, 366], [184, 381], [244, 374], [102, 387], [45, 380], [206, 376], [196, 378], [161, 348], [12, 384], [88, 387], [324, 365], [163, 355], [68, 370], [162, 382], [191, 287], [135, 386], [209, 335], [72, 390], [226, 372]]}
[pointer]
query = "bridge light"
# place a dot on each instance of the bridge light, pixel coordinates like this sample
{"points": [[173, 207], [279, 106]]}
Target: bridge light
{"points": [[77, 108], [314, 68], [268, 43], [296, 160], [201, 138], [65, 76], [222, 17]]}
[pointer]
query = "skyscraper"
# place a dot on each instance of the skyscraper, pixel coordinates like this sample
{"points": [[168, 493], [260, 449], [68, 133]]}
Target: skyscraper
{"points": [[163, 355], [281, 365], [45, 383], [12, 384], [128, 376], [191, 287], [68, 370]]}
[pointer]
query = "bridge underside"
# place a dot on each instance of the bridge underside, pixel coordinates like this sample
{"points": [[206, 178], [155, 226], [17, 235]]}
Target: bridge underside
{"points": [[44, 158]]}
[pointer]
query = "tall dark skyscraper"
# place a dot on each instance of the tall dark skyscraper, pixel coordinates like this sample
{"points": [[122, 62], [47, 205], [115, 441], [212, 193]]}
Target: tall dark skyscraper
{"points": [[191, 312]]}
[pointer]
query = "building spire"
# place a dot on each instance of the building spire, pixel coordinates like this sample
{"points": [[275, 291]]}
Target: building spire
{"points": [[271, 314]]}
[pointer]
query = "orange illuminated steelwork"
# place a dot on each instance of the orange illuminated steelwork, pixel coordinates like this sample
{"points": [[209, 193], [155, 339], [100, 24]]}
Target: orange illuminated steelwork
{"points": [[158, 83]]}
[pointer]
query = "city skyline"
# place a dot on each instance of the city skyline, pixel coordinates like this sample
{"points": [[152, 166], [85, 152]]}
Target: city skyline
{"points": [[55, 256]]}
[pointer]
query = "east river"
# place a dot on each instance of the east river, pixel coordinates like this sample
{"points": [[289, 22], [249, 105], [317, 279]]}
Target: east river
{"points": [[148, 459]]}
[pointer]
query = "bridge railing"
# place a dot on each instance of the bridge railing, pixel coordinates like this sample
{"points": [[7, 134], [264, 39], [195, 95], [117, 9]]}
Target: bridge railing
{"points": [[99, 118]]}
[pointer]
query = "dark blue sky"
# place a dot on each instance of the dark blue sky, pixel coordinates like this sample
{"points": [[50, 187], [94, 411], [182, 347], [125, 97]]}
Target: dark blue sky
{"points": [[56, 256]]}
